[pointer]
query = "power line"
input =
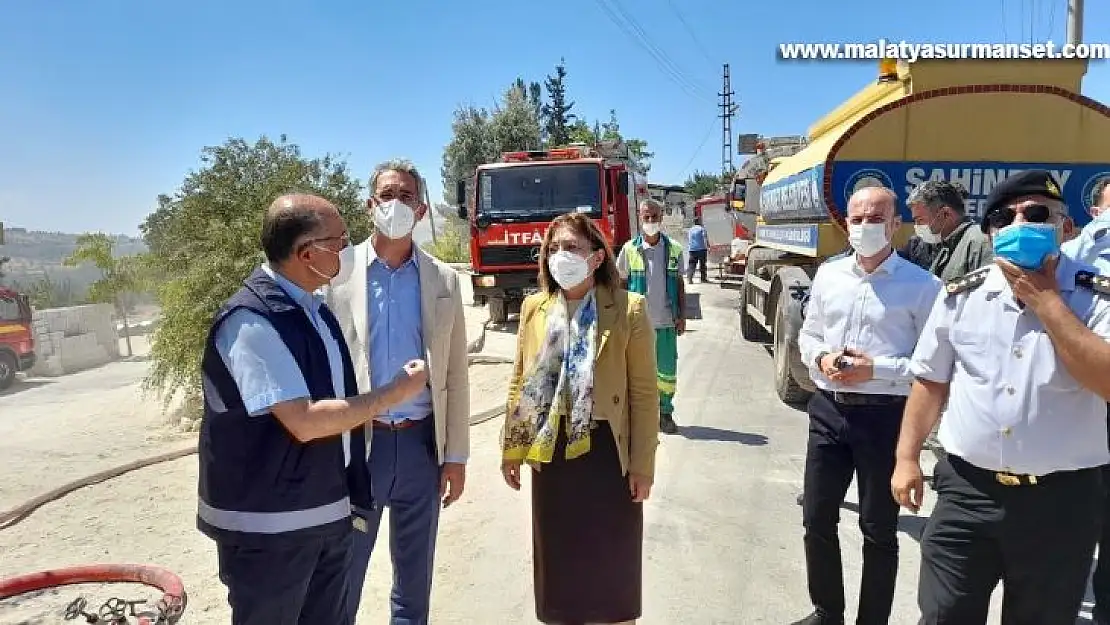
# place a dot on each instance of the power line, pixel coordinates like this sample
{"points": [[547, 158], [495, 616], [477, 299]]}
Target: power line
{"points": [[697, 151], [631, 29], [689, 31], [1005, 37]]}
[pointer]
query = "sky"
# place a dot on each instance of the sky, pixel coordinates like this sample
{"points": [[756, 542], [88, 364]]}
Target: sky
{"points": [[104, 105]]}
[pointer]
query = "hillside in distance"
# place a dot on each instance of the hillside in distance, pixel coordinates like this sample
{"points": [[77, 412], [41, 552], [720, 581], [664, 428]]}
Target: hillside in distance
{"points": [[36, 254]]}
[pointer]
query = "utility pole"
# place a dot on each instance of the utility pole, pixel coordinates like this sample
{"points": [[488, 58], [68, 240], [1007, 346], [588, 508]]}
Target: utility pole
{"points": [[1075, 21], [728, 109]]}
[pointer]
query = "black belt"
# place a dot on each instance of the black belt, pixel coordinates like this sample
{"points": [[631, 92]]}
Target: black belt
{"points": [[862, 399], [1007, 478]]}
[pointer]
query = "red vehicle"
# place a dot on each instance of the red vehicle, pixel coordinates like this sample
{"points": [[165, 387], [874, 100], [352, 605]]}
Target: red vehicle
{"points": [[514, 201], [17, 341]]}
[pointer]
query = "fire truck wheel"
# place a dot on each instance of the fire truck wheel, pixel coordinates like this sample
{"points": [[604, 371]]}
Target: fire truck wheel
{"points": [[8, 366], [498, 310]]}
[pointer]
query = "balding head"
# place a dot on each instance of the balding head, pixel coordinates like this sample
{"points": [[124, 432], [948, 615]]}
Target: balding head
{"points": [[294, 219], [871, 201]]}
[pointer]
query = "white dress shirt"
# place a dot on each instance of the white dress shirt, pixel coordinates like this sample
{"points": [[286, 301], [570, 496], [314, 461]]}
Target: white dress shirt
{"points": [[1012, 405], [879, 314]]}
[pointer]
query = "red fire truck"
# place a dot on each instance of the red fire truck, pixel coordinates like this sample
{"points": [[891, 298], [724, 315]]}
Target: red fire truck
{"points": [[17, 342], [515, 199]]}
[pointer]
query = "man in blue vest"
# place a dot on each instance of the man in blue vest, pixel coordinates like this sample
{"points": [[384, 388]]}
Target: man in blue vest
{"points": [[651, 265], [277, 488]]}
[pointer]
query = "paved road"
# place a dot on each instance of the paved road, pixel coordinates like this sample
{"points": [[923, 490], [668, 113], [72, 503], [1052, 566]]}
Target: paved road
{"points": [[723, 532]]}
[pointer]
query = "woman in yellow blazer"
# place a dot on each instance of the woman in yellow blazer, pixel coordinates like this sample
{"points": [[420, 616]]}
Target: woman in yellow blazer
{"points": [[583, 412]]}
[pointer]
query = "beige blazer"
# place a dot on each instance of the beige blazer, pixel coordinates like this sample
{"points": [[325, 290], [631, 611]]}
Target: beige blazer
{"points": [[626, 391], [441, 314]]}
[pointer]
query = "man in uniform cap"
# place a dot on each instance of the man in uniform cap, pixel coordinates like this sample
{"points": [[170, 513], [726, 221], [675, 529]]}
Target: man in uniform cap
{"points": [[1018, 350]]}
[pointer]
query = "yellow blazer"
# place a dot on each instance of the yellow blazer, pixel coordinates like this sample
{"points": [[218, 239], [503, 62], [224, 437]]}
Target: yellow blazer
{"points": [[626, 392]]}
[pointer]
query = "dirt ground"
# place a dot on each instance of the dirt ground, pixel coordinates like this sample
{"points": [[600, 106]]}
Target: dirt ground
{"points": [[53, 431]]}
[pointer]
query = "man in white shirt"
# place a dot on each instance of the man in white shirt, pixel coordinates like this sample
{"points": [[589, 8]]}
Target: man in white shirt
{"points": [[865, 313], [1092, 246], [1019, 352]]}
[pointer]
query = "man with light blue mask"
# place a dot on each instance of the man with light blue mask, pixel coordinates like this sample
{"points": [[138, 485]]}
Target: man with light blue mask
{"points": [[1019, 353], [1092, 246]]}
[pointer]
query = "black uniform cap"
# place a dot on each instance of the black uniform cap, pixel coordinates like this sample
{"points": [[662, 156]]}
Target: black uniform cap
{"points": [[1030, 182]]}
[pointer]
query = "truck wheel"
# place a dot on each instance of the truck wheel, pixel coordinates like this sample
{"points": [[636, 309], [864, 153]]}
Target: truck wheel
{"points": [[750, 329], [8, 366], [787, 388], [498, 310]]}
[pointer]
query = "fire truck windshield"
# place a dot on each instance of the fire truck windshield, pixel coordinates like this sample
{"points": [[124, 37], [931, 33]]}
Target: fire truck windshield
{"points": [[10, 309], [539, 192]]}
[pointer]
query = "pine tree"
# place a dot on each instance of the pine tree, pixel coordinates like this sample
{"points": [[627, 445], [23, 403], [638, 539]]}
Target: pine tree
{"points": [[556, 114]]}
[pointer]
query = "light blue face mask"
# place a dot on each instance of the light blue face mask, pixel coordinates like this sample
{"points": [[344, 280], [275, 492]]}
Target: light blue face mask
{"points": [[1027, 245]]}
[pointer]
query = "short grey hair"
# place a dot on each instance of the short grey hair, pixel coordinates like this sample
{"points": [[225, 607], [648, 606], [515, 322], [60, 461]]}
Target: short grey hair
{"points": [[653, 204], [403, 166], [934, 194], [1099, 191]]}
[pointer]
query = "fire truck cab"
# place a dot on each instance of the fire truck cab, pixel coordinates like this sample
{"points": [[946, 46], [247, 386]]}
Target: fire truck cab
{"points": [[17, 342], [513, 202]]}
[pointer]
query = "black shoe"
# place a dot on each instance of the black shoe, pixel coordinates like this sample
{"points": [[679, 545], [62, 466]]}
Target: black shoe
{"points": [[667, 424], [817, 619]]}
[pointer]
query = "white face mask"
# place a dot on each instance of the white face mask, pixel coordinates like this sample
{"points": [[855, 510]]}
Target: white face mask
{"points": [[868, 239], [346, 264], [650, 229], [568, 269], [394, 219], [926, 234]]}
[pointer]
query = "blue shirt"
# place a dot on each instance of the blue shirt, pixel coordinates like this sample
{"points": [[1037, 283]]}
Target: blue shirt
{"points": [[263, 367], [1092, 246], [696, 240], [396, 330]]}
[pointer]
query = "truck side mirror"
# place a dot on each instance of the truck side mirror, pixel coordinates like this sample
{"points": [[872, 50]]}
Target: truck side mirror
{"points": [[460, 198], [622, 183], [25, 309]]}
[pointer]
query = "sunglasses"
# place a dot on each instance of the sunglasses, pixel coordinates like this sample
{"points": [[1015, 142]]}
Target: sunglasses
{"points": [[1033, 213]]}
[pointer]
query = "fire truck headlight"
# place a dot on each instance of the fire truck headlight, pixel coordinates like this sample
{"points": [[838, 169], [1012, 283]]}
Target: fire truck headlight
{"points": [[485, 281]]}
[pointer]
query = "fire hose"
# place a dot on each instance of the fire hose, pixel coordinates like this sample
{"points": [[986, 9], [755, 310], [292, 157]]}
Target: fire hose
{"points": [[167, 611], [9, 518]]}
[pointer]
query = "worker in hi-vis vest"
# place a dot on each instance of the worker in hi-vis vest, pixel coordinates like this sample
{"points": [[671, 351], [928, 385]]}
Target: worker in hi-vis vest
{"points": [[651, 265]]}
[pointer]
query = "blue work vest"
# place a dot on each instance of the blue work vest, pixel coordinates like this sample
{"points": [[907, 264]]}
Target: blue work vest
{"points": [[258, 485]]}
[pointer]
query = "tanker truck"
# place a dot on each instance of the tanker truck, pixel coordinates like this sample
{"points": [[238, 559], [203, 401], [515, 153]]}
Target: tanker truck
{"points": [[975, 122]]}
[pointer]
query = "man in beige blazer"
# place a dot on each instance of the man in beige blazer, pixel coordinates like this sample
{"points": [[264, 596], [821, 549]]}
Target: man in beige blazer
{"points": [[397, 303]]}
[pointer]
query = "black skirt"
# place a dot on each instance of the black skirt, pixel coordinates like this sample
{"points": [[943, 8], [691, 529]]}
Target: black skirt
{"points": [[587, 536]]}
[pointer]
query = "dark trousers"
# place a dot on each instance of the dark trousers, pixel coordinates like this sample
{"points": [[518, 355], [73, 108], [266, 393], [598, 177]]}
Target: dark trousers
{"points": [[405, 474], [697, 258], [847, 440], [295, 585], [1101, 580], [1037, 539]]}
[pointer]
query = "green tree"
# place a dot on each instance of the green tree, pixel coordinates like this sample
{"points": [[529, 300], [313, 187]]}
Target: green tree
{"points": [[555, 113], [46, 292], [535, 95], [204, 240], [119, 275], [514, 125], [702, 183], [471, 145], [637, 148]]}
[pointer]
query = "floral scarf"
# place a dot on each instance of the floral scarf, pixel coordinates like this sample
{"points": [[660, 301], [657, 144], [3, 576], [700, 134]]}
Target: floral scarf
{"points": [[559, 384]]}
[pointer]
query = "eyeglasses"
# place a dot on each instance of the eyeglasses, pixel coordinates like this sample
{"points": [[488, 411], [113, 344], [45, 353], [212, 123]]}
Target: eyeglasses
{"points": [[1033, 213], [344, 238]]}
